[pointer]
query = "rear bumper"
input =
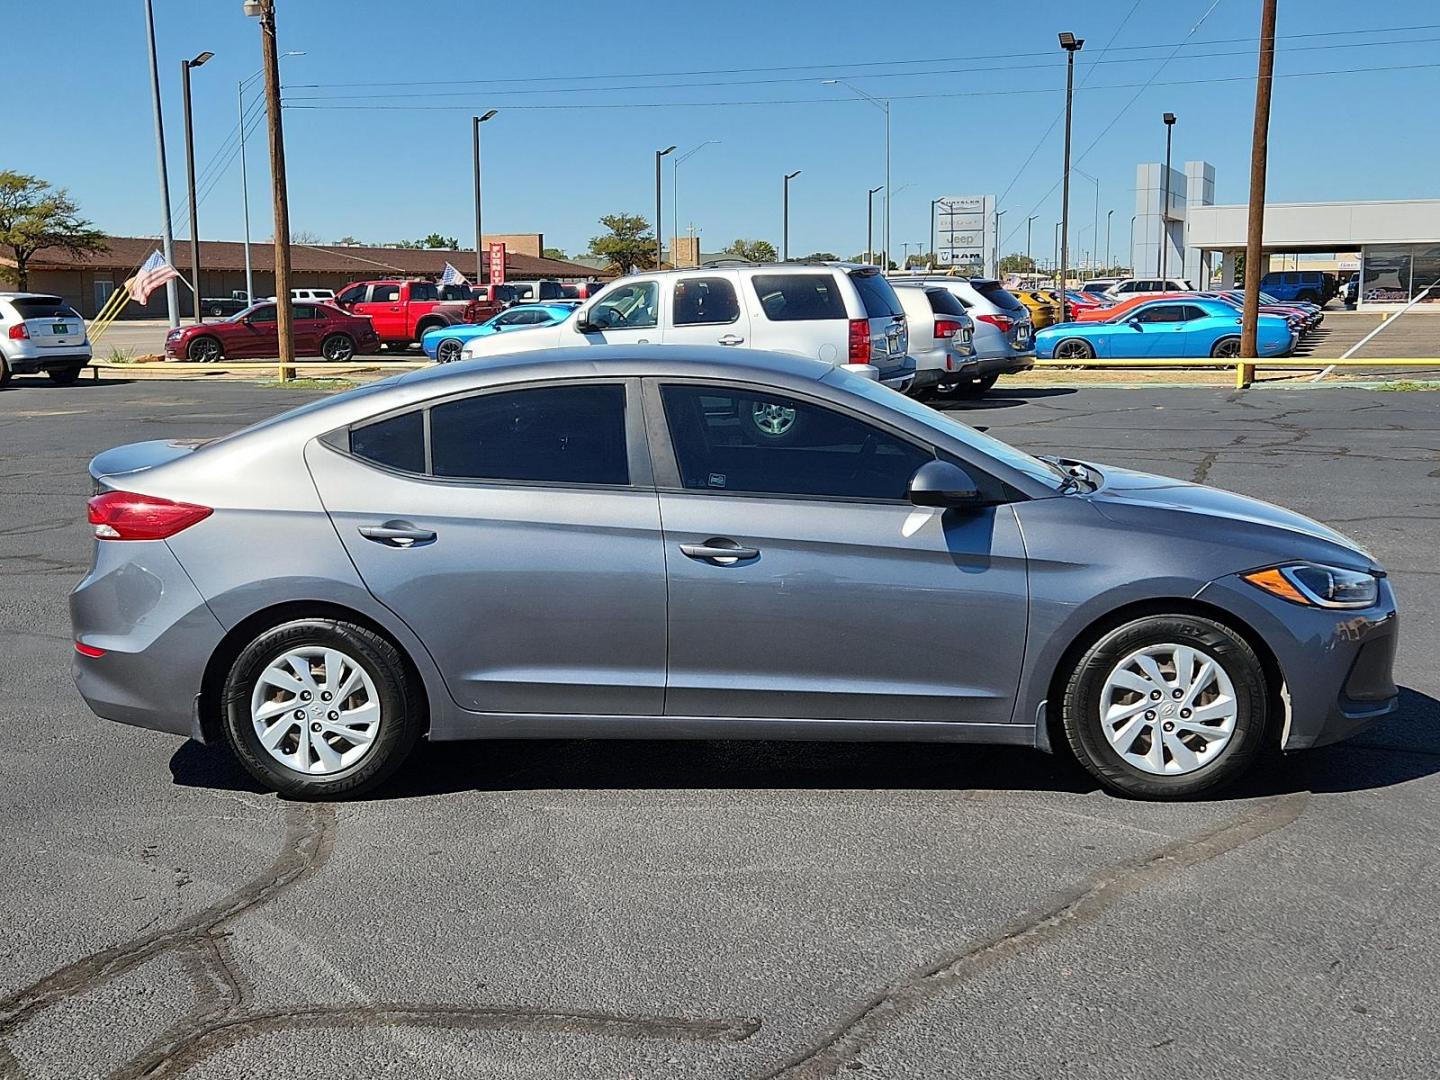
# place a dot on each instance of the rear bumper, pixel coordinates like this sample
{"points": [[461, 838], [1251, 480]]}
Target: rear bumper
{"points": [[899, 376], [47, 360]]}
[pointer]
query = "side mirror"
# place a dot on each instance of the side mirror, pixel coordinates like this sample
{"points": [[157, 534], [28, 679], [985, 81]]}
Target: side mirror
{"points": [[944, 484], [583, 325], [1136, 323]]}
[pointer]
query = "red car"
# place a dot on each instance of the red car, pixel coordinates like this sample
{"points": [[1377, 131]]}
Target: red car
{"points": [[320, 330]]}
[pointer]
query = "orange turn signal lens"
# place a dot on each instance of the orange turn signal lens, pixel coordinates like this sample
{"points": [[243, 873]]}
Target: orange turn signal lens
{"points": [[1277, 584]]}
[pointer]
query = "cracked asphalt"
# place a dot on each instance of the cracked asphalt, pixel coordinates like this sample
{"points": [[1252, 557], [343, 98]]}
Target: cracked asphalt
{"points": [[725, 910]]}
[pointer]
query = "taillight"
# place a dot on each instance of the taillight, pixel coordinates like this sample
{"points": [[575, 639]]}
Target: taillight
{"points": [[859, 341], [945, 328], [123, 515], [1000, 322], [18, 332]]}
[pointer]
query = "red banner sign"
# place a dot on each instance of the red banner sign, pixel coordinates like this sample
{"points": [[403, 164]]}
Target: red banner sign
{"points": [[497, 264]]}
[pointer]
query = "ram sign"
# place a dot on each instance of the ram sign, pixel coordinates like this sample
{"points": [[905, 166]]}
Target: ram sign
{"points": [[965, 232]]}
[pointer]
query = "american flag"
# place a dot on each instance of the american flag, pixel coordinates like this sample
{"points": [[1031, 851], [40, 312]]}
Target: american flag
{"points": [[451, 276], [153, 273]]}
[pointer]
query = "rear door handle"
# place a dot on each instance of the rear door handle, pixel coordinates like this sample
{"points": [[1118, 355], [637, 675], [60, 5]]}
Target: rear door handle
{"points": [[720, 551], [399, 534], [731, 339]]}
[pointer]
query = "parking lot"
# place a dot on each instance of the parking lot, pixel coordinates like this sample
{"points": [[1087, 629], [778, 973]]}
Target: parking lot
{"points": [[725, 910]]}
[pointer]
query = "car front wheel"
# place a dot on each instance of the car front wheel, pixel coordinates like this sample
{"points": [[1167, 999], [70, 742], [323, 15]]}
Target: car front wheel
{"points": [[1166, 706], [448, 351], [337, 348], [321, 709], [203, 350]]}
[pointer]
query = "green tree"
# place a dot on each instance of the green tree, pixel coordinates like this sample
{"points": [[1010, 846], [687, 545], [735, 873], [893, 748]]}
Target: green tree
{"points": [[435, 241], [628, 245], [555, 253], [348, 241], [1017, 264], [822, 256], [34, 215], [752, 251]]}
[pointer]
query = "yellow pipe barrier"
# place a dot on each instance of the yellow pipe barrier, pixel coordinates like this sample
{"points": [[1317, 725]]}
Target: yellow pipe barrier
{"points": [[1244, 369]]}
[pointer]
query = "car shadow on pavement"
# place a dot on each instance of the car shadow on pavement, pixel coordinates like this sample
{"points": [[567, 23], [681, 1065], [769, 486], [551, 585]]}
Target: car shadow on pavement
{"points": [[1403, 748]]}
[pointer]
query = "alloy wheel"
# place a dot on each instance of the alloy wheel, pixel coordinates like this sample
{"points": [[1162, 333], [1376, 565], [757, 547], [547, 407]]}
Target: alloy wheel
{"points": [[338, 348], [448, 351], [771, 419], [1228, 349], [204, 350], [315, 710], [1168, 709], [1072, 349]]}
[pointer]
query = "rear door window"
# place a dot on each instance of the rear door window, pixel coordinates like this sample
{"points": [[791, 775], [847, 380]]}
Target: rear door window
{"points": [[702, 300], [397, 442], [944, 302], [798, 297], [876, 294], [385, 294], [423, 290], [998, 295]]}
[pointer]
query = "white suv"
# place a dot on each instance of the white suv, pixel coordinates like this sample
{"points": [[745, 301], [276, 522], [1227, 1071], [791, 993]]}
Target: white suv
{"points": [[1140, 286], [840, 313], [40, 332]]}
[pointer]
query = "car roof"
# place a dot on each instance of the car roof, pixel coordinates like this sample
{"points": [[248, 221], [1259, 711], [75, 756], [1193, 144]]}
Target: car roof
{"points": [[29, 296]]}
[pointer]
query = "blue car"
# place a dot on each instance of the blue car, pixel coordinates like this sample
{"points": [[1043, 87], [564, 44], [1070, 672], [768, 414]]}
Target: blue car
{"points": [[445, 342], [1164, 329]]}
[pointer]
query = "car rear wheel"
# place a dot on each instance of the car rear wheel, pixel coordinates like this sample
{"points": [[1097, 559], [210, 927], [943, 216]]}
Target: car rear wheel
{"points": [[1226, 348], [217, 310], [1074, 349], [320, 708], [338, 348], [1166, 706], [5, 373], [66, 376], [448, 351], [203, 350]]}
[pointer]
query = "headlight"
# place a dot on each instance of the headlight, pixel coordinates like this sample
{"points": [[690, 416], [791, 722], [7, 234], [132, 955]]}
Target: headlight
{"points": [[1318, 585]]}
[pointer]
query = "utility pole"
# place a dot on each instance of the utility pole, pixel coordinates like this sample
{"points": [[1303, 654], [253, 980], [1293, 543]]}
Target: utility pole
{"points": [[870, 225], [479, 235], [1029, 231], [785, 239], [1259, 153], [167, 238], [1071, 44], [185, 68], [1165, 197], [284, 313]]}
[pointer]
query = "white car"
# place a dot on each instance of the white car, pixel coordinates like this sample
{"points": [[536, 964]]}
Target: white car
{"points": [[40, 332], [323, 296], [1139, 286], [841, 313]]}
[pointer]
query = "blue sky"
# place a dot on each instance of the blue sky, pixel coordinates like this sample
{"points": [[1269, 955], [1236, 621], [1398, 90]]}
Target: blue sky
{"points": [[973, 89]]}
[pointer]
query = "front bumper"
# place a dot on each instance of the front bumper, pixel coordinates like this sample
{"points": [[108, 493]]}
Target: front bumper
{"points": [[1336, 664]]}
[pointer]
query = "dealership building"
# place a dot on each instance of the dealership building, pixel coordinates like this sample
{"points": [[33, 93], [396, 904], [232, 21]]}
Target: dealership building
{"points": [[1178, 225]]}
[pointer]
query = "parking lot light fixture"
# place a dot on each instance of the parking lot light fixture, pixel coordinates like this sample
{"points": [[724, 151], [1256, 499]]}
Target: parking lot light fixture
{"points": [[186, 66], [476, 121], [785, 228], [1169, 119], [1029, 233], [1071, 44], [1109, 216], [659, 243], [995, 252], [883, 104], [870, 224]]}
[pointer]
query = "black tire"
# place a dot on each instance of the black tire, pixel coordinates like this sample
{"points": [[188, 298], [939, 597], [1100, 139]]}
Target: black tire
{"points": [[1081, 706], [400, 699], [974, 388], [1226, 348], [67, 376], [216, 310], [338, 348], [204, 349], [447, 350], [1077, 350], [5, 373], [1308, 297]]}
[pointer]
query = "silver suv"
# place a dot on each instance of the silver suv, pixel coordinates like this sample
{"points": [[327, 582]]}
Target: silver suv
{"points": [[1004, 337], [40, 332]]}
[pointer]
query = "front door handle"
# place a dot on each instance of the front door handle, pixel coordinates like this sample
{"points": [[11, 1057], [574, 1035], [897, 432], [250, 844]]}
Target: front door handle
{"points": [[731, 339], [720, 551], [399, 534]]}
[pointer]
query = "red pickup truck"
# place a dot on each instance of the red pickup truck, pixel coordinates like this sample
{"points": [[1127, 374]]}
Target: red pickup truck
{"points": [[401, 311]]}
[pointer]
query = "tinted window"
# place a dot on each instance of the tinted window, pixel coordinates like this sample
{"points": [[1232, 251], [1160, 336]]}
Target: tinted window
{"points": [[705, 300], [423, 290], [746, 441], [511, 318], [561, 434], [1162, 313], [263, 313], [1192, 312], [385, 294], [551, 290], [305, 312], [944, 302], [42, 307], [876, 294], [398, 442], [998, 295], [796, 297], [628, 307], [353, 295]]}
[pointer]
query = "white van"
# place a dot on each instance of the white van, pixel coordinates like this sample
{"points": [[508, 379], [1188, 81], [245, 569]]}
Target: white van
{"points": [[325, 296], [841, 313]]}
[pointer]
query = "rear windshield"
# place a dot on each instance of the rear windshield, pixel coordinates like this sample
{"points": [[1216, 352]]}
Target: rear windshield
{"points": [[877, 295], [43, 307], [944, 302], [799, 297], [997, 295]]}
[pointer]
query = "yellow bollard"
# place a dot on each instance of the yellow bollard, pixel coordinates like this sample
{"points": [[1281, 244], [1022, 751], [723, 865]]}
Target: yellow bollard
{"points": [[1244, 375]]}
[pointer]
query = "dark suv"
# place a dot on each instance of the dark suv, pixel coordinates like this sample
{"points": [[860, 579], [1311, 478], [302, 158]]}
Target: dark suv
{"points": [[1309, 286]]}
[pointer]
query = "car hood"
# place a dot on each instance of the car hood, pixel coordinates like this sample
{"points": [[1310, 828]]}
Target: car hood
{"points": [[1124, 495]]}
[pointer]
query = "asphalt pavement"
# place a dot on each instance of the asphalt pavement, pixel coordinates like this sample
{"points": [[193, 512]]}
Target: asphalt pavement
{"points": [[725, 910]]}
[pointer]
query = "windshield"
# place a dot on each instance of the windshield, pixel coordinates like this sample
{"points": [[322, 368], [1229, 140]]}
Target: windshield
{"points": [[1052, 476]]}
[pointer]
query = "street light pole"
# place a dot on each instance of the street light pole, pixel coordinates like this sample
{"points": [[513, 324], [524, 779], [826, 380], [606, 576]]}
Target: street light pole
{"points": [[785, 238], [870, 224], [884, 106], [475, 122], [1055, 263], [1071, 44], [995, 249], [167, 238], [1109, 216], [675, 186], [931, 253], [275, 130], [185, 68], [1029, 229], [659, 242], [1165, 197]]}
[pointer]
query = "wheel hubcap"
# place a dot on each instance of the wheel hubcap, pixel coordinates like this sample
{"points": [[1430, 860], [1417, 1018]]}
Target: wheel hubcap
{"points": [[772, 419], [315, 710], [1168, 709]]}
